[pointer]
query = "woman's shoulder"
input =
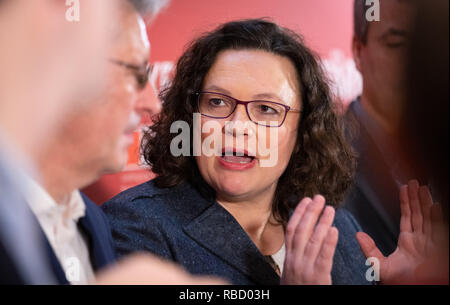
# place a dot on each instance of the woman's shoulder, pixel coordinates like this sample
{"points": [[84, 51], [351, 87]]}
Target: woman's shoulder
{"points": [[147, 200], [347, 227], [349, 262], [143, 217], [143, 197], [147, 189], [345, 222]]}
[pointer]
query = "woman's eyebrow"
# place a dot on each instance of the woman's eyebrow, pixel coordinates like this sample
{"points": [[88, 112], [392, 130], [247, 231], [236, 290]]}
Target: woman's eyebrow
{"points": [[217, 89], [270, 96], [266, 95]]}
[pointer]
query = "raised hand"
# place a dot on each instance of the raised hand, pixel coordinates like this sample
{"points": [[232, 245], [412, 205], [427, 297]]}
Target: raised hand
{"points": [[419, 237], [310, 244]]}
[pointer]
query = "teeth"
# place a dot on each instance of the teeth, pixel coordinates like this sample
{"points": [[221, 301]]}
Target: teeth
{"points": [[240, 160]]}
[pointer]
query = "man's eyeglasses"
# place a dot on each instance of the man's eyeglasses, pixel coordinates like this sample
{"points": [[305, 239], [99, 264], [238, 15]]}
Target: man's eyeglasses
{"points": [[221, 106], [142, 73]]}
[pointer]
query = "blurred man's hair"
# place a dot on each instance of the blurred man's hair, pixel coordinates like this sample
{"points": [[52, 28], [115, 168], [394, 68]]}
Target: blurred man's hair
{"points": [[360, 23], [145, 7]]}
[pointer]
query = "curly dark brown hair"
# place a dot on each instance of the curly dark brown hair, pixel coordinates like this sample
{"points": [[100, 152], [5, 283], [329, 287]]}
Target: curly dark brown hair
{"points": [[322, 162]]}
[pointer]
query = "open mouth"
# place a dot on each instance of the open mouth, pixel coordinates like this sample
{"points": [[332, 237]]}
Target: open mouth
{"points": [[236, 156]]}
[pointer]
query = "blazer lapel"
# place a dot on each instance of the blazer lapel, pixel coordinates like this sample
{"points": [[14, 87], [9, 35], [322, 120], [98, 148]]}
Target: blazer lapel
{"points": [[219, 232], [55, 265], [53, 261], [95, 243]]}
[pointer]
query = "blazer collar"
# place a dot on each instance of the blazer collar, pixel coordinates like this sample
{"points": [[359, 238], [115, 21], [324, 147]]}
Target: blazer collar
{"points": [[101, 252], [94, 242], [217, 230], [85, 224], [54, 262]]}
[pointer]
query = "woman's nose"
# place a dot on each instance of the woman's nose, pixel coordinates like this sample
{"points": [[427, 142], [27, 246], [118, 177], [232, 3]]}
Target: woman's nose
{"points": [[239, 123], [239, 114]]}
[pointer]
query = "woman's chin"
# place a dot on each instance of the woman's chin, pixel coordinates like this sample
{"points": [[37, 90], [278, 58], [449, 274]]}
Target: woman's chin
{"points": [[233, 188]]}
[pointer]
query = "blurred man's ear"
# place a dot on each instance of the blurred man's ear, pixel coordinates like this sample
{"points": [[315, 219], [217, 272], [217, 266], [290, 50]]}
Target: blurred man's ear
{"points": [[357, 46]]}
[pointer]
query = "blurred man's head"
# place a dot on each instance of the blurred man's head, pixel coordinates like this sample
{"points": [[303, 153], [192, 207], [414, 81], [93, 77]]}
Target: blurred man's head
{"points": [[95, 139], [148, 100], [48, 64], [379, 49], [149, 8]]}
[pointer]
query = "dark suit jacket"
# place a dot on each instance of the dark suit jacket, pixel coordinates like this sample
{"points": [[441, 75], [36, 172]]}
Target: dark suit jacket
{"points": [[374, 197], [94, 225], [9, 275], [22, 255], [181, 225]]}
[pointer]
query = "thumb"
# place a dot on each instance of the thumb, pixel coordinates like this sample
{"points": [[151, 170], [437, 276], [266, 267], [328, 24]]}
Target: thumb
{"points": [[368, 246]]}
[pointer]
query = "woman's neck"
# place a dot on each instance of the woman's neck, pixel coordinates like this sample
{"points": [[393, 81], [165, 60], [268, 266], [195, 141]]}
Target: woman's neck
{"points": [[255, 216]]}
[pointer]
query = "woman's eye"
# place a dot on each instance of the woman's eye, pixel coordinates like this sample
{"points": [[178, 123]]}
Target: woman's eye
{"points": [[216, 102], [267, 109]]}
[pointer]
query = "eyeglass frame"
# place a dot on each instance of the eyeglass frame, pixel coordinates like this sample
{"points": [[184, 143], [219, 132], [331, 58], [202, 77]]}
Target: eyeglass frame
{"points": [[245, 103], [141, 75]]}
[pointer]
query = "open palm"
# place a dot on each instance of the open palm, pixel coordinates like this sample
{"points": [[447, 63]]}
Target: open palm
{"points": [[417, 239]]}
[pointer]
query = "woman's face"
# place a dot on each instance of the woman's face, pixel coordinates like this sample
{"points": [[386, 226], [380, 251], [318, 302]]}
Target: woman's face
{"points": [[249, 75]]}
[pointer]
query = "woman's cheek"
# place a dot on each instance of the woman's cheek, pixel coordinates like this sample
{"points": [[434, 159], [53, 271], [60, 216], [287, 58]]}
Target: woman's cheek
{"points": [[273, 146], [211, 137], [284, 143]]}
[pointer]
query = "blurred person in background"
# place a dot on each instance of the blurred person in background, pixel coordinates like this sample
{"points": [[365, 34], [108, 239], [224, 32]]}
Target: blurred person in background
{"points": [[104, 187], [92, 141], [373, 120], [425, 119], [405, 72], [425, 125], [48, 65]]}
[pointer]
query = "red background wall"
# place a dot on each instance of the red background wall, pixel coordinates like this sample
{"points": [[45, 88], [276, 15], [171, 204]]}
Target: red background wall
{"points": [[326, 26]]}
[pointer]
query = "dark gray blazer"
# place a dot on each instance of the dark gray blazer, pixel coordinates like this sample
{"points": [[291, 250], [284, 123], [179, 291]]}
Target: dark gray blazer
{"points": [[373, 199], [180, 225]]}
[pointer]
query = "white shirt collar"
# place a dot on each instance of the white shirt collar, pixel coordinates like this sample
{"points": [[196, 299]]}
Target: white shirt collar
{"points": [[59, 221], [41, 203]]}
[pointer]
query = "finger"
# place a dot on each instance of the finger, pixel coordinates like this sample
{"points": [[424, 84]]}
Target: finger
{"points": [[368, 246], [293, 222], [320, 233], [306, 225], [426, 202], [405, 220], [324, 262], [416, 212]]}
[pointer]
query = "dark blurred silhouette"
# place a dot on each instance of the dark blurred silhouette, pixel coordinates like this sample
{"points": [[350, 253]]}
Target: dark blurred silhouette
{"points": [[48, 65], [425, 120]]}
